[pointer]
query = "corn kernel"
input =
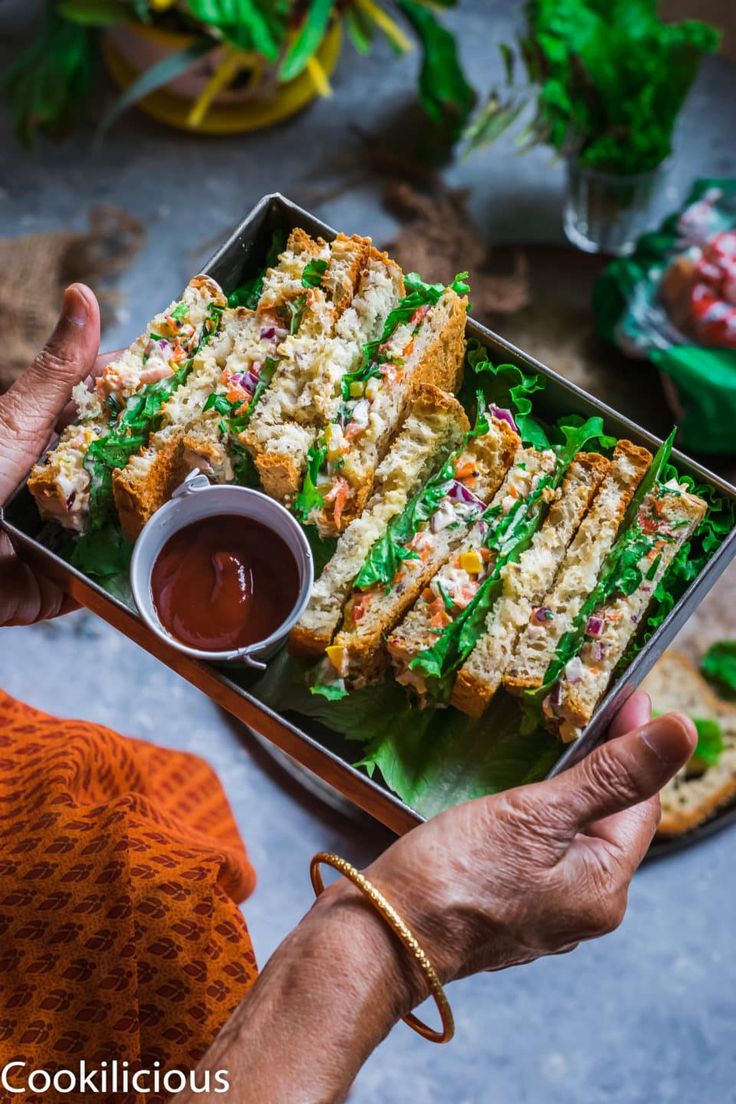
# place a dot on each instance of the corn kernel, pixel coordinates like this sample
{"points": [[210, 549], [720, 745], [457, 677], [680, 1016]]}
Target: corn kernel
{"points": [[471, 562], [372, 388], [356, 389]]}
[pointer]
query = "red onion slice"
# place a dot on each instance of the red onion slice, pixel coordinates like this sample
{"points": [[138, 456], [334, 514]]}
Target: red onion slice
{"points": [[594, 626]]}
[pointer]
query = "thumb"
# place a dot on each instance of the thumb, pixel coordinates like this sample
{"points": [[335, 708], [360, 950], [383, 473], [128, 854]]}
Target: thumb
{"points": [[625, 771], [30, 408]]}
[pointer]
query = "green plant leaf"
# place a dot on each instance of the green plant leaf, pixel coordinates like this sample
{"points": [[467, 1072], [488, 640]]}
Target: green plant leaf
{"points": [[252, 25], [46, 83], [170, 67], [313, 273], [308, 40], [444, 92], [95, 13], [360, 29]]}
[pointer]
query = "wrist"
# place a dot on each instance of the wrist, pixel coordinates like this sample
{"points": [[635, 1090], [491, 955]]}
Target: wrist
{"points": [[362, 939]]}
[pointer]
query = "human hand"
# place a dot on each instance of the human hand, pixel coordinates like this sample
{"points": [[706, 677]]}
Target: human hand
{"points": [[28, 415], [502, 880]]}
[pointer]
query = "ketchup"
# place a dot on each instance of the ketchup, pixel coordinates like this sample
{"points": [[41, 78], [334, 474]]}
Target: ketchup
{"points": [[224, 582]]}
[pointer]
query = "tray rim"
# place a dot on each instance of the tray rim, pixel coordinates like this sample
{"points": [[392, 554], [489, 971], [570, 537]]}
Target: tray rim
{"points": [[356, 785]]}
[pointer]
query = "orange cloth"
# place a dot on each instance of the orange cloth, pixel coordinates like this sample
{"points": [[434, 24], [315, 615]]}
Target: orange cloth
{"points": [[120, 869]]}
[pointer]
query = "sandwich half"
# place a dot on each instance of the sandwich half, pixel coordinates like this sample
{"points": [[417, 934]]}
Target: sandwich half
{"points": [[432, 429], [200, 423], [579, 570], [708, 780], [524, 583], [417, 542], [115, 419], [666, 518], [452, 590], [341, 312], [422, 341]]}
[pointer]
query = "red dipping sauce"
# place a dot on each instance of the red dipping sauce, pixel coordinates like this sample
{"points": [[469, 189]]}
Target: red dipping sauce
{"points": [[224, 582]]}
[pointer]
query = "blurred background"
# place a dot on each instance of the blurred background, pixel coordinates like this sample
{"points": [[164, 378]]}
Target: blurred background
{"points": [[135, 205]]}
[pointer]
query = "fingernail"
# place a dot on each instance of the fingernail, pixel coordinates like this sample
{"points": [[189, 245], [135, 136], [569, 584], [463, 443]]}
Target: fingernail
{"points": [[672, 738], [75, 308]]}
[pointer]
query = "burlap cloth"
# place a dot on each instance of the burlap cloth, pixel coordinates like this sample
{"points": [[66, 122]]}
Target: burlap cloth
{"points": [[36, 269]]}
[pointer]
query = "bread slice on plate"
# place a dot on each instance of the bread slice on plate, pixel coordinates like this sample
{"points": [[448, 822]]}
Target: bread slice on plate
{"points": [[525, 583], [698, 790]]}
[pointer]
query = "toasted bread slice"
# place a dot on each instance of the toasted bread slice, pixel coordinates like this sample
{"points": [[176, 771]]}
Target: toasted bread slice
{"points": [[675, 514], [305, 392], [524, 585], [283, 281], [579, 570], [479, 468], [429, 351], [456, 583], [60, 482], [676, 686], [430, 431]]}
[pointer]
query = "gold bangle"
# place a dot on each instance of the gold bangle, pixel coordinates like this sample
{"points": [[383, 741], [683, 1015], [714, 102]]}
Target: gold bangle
{"points": [[403, 933]]}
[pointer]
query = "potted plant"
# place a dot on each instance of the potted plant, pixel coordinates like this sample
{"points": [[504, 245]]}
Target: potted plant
{"points": [[220, 65], [605, 81]]}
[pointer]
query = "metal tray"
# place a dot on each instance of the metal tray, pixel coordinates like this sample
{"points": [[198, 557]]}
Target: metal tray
{"points": [[306, 741]]}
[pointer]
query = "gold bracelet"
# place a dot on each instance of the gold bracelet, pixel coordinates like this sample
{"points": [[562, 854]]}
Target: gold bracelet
{"points": [[404, 934]]}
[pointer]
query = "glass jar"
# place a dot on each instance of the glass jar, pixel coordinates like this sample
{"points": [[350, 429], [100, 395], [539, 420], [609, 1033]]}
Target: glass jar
{"points": [[607, 212]]}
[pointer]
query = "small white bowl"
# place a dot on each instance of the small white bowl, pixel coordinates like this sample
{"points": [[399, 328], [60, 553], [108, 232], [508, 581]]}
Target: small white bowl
{"points": [[195, 499]]}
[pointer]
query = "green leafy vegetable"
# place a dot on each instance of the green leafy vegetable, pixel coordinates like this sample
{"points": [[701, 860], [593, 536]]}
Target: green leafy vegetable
{"points": [[310, 499], [710, 745], [295, 309], [313, 273], [45, 84], [444, 91], [308, 40], [719, 665], [248, 293], [102, 552], [609, 80], [508, 387]]}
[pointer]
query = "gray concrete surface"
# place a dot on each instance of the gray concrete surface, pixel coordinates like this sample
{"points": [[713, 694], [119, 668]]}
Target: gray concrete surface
{"points": [[643, 1017]]}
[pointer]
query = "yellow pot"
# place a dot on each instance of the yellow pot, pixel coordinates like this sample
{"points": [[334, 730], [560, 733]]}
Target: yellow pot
{"points": [[131, 49]]}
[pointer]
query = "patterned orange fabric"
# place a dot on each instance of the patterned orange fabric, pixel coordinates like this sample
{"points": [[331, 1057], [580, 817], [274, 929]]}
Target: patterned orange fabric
{"points": [[120, 869]]}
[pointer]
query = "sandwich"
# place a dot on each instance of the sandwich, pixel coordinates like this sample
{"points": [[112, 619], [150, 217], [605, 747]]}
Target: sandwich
{"points": [[416, 543], [200, 423], [342, 311], [455, 587], [422, 340], [708, 780], [578, 574], [114, 419], [665, 515], [433, 428], [523, 584]]}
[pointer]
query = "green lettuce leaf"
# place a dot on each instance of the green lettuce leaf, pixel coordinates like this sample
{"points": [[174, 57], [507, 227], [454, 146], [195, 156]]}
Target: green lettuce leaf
{"points": [[710, 745], [310, 499], [102, 552], [719, 665], [508, 387]]}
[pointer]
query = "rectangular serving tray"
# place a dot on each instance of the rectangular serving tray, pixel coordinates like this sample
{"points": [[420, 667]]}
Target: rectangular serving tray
{"points": [[305, 740]]}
